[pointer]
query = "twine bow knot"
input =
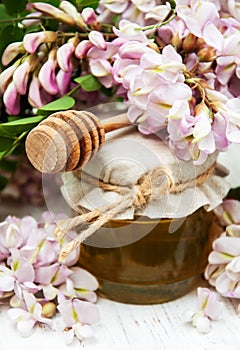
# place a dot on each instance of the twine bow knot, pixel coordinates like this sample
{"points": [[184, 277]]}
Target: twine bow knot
{"points": [[151, 186]]}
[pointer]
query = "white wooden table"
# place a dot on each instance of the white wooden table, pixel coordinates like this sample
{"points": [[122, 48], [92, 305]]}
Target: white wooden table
{"points": [[134, 327]]}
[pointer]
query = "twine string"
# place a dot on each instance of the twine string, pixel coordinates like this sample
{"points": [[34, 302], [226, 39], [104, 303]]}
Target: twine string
{"points": [[151, 186]]}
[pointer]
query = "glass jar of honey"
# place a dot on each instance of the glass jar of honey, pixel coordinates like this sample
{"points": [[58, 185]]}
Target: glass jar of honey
{"points": [[161, 265]]}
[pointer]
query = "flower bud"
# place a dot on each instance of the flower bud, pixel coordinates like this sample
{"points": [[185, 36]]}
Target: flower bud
{"points": [[176, 41], [11, 99], [21, 74], [82, 48], [190, 42], [89, 16], [97, 39], [30, 22], [65, 54], [207, 54], [201, 108], [54, 12], [48, 310], [11, 52], [32, 41], [6, 76], [47, 74], [71, 10]]}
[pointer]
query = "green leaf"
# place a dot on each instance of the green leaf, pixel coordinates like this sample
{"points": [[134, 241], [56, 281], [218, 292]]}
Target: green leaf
{"points": [[61, 104], [14, 6], [4, 15], [13, 128], [3, 182], [5, 143], [55, 3], [88, 3], [88, 82], [8, 165], [8, 35]]}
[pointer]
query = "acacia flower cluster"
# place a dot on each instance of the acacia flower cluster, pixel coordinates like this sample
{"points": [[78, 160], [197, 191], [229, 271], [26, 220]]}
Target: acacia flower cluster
{"points": [[223, 270], [36, 285], [175, 63]]}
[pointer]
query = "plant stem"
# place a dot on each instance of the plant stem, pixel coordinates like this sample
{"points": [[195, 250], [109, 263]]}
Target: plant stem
{"points": [[158, 25], [23, 18], [15, 143]]}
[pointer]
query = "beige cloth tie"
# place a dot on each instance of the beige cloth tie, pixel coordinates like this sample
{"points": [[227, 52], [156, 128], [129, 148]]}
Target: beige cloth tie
{"points": [[156, 183]]}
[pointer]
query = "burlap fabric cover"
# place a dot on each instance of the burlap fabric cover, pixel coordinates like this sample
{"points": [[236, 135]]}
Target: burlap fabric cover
{"points": [[124, 158]]}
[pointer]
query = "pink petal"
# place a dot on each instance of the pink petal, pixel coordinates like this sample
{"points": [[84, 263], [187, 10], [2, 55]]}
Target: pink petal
{"points": [[45, 274], [63, 80], [82, 279], [100, 68], [6, 283], [25, 271], [86, 312], [11, 99], [82, 48], [31, 41], [61, 275], [25, 327], [36, 96], [16, 313], [234, 265], [89, 16], [11, 52], [203, 324], [219, 258], [213, 308], [97, 39], [84, 331], [213, 37], [47, 77], [6, 76], [21, 76], [49, 292], [227, 245], [224, 284], [64, 54], [66, 310]]}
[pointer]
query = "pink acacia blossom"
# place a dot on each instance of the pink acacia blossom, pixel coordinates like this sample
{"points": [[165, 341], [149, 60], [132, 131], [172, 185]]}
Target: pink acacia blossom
{"points": [[71, 10], [65, 54], [63, 80], [208, 308], [223, 270], [11, 52], [11, 99], [32, 41], [82, 48], [78, 316], [80, 284], [97, 39], [26, 319], [198, 17], [53, 11], [89, 16], [19, 277], [31, 275], [22, 74], [47, 74], [37, 97], [6, 76]]}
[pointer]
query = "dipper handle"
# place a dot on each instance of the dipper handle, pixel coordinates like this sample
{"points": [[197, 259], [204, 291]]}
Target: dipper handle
{"points": [[65, 141]]}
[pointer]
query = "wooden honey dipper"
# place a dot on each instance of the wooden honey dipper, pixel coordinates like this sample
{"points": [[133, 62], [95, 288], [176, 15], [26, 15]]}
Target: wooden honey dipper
{"points": [[65, 141]]}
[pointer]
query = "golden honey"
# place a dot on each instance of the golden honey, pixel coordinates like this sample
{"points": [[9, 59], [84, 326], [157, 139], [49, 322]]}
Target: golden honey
{"points": [[161, 265]]}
